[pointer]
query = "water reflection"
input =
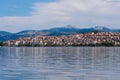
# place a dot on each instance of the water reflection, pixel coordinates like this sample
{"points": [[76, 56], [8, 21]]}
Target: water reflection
{"points": [[56, 63]]}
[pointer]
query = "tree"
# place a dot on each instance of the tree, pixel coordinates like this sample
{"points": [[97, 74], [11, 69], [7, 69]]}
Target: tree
{"points": [[1, 44], [108, 44]]}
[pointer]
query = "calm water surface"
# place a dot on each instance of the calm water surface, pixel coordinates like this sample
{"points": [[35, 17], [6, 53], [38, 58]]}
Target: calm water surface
{"points": [[60, 63]]}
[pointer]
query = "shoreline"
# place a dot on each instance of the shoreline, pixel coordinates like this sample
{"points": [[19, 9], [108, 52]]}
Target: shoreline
{"points": [[59, 46]]}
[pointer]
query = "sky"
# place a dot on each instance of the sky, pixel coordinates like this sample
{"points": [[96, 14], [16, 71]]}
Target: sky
{"points": [[18, 15]]}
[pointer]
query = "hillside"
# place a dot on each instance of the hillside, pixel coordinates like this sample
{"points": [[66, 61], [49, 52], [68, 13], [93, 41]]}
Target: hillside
{"points": [[53, 32]]}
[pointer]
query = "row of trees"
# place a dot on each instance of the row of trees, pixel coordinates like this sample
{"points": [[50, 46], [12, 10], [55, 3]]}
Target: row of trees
{"points": [[102, 44]]}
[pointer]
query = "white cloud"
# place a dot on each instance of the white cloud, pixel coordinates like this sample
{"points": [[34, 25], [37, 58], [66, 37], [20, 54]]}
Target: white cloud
{"points": [[82, 13]]}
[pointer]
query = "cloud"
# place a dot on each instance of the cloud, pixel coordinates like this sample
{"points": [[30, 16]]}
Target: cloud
{"points": [[81, 13]]}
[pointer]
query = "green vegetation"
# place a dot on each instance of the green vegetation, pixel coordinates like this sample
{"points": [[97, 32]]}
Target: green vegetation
{"points": [[1, 44], [108, 44], [26, 44]]}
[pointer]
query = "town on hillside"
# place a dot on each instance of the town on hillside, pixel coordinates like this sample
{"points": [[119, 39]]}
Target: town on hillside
{"points": [[84, 39]]}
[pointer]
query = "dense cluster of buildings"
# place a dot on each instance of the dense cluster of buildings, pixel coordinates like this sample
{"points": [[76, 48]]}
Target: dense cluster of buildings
{"points": [[98, 38]]}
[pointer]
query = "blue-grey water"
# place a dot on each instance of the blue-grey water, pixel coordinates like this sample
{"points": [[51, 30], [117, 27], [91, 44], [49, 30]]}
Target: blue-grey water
{"points": [[60, 63]]}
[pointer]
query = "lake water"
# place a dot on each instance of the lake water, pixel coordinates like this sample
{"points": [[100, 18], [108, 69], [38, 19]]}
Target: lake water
{"points": [[60, 63]]}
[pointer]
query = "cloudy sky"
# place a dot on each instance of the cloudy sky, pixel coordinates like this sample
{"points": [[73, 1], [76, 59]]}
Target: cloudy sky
{"points": [[17, 15]]}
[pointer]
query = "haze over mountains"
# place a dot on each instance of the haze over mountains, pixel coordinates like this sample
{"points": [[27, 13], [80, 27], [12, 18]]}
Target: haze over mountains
{"points": [[53, 32]]}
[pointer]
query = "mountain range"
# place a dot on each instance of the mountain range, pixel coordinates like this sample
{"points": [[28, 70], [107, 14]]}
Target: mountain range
{"points": [[53, 32]]}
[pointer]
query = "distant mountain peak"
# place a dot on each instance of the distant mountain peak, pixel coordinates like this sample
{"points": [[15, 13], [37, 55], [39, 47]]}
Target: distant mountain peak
{"points": [[69, 26], [100, 27]]}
